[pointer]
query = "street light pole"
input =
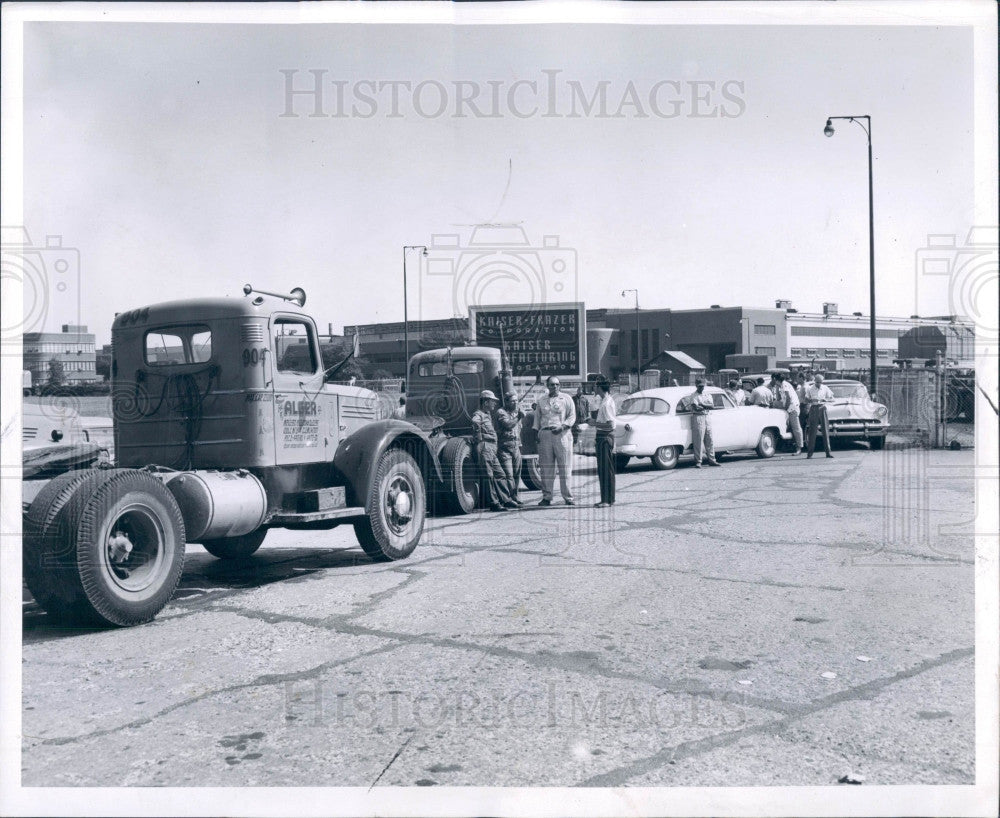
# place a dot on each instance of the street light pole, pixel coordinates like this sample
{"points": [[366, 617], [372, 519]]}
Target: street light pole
{"points": [[828, 130], [406, 316], [636, 292]]}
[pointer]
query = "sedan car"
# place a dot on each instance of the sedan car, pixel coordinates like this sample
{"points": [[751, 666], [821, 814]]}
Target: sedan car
{"points": [[656, 423], [853, 415]]}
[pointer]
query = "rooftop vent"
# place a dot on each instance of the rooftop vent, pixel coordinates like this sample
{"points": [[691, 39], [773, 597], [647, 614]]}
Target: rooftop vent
{"points": [[716, 307], [830, 308], [782, 304]]}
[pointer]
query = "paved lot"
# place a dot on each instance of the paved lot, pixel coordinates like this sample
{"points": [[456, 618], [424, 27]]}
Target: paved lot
{"points": [[770, 622]]}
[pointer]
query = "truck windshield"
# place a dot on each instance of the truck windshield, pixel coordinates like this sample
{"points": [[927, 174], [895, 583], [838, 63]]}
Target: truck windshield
{"points": [[191, 344]]}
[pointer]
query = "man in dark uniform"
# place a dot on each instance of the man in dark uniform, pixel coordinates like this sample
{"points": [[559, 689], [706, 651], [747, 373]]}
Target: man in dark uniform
{"points": [[508, 424], [484, 446]]}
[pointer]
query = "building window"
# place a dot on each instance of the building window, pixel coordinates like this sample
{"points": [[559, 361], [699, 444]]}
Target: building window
{"points": [[635, 343], [798, 352], [812, 353], [882, 353], [764, 329], [613, 349], [645, 344], [849, 353], [656, 341], [765, 351]]}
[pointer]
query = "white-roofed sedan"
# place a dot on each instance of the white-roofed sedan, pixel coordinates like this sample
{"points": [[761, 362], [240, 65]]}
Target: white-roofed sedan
{"points": [[656, 423]]}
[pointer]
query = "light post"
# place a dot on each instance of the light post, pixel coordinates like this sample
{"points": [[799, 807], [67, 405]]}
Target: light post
{"points": [[867, 128], [406, 315], [636, 292]]}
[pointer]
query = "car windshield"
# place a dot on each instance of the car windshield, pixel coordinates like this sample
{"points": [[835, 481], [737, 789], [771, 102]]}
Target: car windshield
{"points": [[645, 406], [849, 390]]}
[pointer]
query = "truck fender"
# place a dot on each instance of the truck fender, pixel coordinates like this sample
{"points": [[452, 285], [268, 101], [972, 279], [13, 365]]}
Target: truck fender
{"points": [[358, 455]]}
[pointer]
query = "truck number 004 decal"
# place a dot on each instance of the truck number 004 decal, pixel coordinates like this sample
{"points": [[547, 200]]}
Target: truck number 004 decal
{"points": [[254, 357]]}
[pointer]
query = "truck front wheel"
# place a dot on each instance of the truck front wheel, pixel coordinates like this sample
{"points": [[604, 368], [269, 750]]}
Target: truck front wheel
{"points": [[396, 508], [531, 474]]}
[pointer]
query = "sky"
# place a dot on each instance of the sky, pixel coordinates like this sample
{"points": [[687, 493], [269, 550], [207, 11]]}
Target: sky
{"points": [[160, 153]]}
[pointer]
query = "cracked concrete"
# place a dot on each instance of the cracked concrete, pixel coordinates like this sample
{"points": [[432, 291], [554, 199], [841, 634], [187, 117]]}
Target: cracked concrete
{"points": [[680, 638]]}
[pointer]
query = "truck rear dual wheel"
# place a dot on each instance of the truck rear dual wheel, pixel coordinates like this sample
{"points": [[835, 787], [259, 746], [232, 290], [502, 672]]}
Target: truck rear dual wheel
{"points": [[108, 551], [396, 508]]}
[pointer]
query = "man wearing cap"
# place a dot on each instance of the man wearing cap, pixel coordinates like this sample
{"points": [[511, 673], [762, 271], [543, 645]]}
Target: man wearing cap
{"points": [[484, 444], [554, 418], [701, 405], [817, 395], [508, 423]]}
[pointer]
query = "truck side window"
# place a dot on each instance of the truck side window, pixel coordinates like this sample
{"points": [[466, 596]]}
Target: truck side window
{"points": [[294, 349]]}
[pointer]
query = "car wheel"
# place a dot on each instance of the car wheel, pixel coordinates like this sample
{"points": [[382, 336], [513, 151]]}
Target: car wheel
{"points": [[666, 457], [767, 444]]}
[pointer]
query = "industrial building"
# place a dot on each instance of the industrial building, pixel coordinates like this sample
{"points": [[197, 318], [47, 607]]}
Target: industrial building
{"points": [[743, 338], [74, 348]]}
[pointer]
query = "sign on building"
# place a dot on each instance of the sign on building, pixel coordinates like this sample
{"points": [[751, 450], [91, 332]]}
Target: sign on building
{"points": [[550, 339]]}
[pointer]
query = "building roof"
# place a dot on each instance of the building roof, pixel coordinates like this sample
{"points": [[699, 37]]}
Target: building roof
{"points": [[683, 358]]}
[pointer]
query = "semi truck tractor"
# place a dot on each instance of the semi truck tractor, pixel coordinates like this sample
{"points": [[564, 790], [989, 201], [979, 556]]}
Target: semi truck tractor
{"points": [[224, 428]]}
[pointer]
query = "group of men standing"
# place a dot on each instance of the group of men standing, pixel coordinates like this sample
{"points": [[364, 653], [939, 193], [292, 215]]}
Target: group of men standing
{"points": [[805, 404], [496, 436]]}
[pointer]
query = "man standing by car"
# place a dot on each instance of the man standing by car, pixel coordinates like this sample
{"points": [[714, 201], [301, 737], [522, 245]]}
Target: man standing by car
{"points": [[735, 391], [605, 444], [484, 441], [790, 403], [761, 395], [554, 418], [701, 405], [817, 396], [508, 424]]}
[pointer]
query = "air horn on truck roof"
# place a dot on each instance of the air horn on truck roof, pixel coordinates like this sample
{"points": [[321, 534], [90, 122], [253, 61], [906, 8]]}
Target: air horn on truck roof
{"points": [[296, 296]]}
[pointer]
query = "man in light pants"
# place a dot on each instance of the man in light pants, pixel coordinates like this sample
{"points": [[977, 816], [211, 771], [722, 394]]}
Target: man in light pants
{"points": [[555, 416], [790, 403], [700, 405]]}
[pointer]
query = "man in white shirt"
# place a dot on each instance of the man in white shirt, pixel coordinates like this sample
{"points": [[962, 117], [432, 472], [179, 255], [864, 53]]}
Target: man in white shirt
{"points": [[736, 392], [555, 416], [607, 419], [817, 395], [700, 404], [790, 403], [761, 395]]}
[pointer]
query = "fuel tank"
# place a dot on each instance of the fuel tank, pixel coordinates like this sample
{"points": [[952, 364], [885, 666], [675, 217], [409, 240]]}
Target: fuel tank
{"points": [[217, 504]]}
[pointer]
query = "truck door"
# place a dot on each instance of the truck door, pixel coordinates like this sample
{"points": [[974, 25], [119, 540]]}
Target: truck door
{"points": [[300, 422]]}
